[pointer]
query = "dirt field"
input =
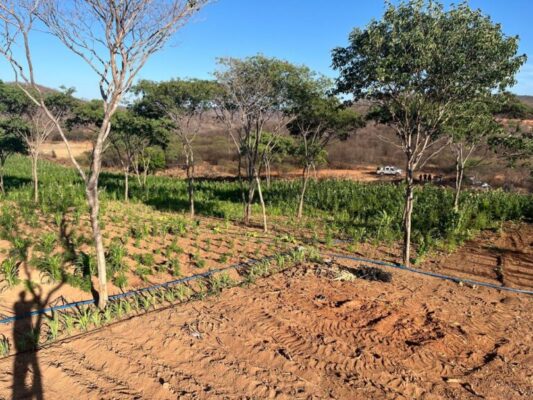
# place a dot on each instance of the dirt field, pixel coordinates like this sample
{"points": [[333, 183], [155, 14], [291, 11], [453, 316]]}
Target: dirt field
{"points": [[60, 150], [303, 335], [504, 258]]}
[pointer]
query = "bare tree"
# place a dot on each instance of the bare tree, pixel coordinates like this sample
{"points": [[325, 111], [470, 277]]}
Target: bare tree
{"points": [[115, 38], [255, 98]]}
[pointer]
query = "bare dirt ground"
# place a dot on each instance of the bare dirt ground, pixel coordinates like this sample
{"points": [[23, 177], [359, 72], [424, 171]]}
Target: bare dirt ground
{"points": [[361, 173], [303, 334], [59, 149], [504, 258]]}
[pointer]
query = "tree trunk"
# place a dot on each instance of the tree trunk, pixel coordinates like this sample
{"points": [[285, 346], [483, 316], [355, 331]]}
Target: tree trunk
{"points": [[263, 208], [94, 206], [459, 173], [305, 178], [35, 177], [126, 185], [249, 201], [458, 183], [408, 211], [2, 189], [268, 173], [190, 180]]}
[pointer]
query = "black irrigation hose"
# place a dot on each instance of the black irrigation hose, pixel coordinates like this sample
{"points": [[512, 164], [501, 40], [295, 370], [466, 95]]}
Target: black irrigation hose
{"points": [[131, 293], [432, 274], [253, 262]]}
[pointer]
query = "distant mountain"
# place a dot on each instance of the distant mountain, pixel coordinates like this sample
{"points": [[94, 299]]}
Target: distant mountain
{"points": [[528, 100]]}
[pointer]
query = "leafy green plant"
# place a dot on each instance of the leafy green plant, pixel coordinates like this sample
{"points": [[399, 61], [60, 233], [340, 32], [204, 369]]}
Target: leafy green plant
{"points": [[120, 280], [182, 292], [82, 319], [9, 269], [115, 256], [51, 267], [223, 258], [198, 261], [47, 243], [174, 266], [54, 326], [5, 347], [219, 282], [143, 272]]}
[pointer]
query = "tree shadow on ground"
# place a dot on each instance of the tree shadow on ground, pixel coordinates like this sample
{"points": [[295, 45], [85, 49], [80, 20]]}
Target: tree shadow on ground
{"points": [[27, 379]]}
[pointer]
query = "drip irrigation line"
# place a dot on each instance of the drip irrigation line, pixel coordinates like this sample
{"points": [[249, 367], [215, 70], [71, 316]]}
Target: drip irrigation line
{"points": [[428, 273], [135, 292], [250, 263]]}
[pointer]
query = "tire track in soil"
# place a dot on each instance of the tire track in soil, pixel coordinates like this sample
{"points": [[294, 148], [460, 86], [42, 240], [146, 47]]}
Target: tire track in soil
{"points": [[299, 336]]}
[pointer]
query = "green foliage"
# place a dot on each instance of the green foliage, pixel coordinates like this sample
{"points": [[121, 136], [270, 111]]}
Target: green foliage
{"points": [[115, 256], [219, 282], [174, 267], [120, 280], [9, 269], [51, 266], [5, 346]]}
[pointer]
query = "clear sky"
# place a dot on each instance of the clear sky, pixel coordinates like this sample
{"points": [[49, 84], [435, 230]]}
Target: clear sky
{"points": [[300, 31]]}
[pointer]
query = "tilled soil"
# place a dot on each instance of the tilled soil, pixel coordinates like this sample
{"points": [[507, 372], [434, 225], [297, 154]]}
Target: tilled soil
{"points": [[504, 258], [303, 334]]}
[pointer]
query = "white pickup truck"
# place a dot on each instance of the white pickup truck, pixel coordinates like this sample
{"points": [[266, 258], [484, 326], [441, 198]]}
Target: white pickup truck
{"points": [[389, 170]]}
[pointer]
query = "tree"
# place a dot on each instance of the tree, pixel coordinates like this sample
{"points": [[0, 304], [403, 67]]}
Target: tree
{"points": [[469, 126], [320, 119], [516, 146], [38, 126], [87, 115], [512, 107], [416, 63], [185, 103], [274, 148], [254, 98], [131, 136], [115, 38]]}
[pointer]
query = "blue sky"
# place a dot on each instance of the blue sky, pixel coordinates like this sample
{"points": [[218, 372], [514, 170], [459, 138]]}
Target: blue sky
{"points": [[300, 31]]}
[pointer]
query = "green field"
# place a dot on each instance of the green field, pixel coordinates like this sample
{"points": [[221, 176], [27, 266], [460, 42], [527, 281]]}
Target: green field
{"points": [[347, 209]]}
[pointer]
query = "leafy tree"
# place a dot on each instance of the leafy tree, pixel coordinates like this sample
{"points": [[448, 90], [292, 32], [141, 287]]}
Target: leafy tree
{"points": [[34, 126], [254, 99], [131, 138], [319, 120], [472, 123], [516, 146], [186, 103], [274, 148], [86, 115], [512, 107], [417, 63]]}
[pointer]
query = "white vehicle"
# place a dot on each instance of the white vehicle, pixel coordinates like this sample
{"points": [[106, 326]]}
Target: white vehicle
{"points": [[389, 170]]}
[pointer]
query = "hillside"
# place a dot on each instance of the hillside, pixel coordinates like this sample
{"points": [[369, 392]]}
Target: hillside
{"points": [[368, 148]]}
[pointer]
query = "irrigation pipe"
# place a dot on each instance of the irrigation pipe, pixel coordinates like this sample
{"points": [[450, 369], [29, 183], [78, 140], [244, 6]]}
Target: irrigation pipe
{"points": [[135, 292], [252, 262], [428, 273]]}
